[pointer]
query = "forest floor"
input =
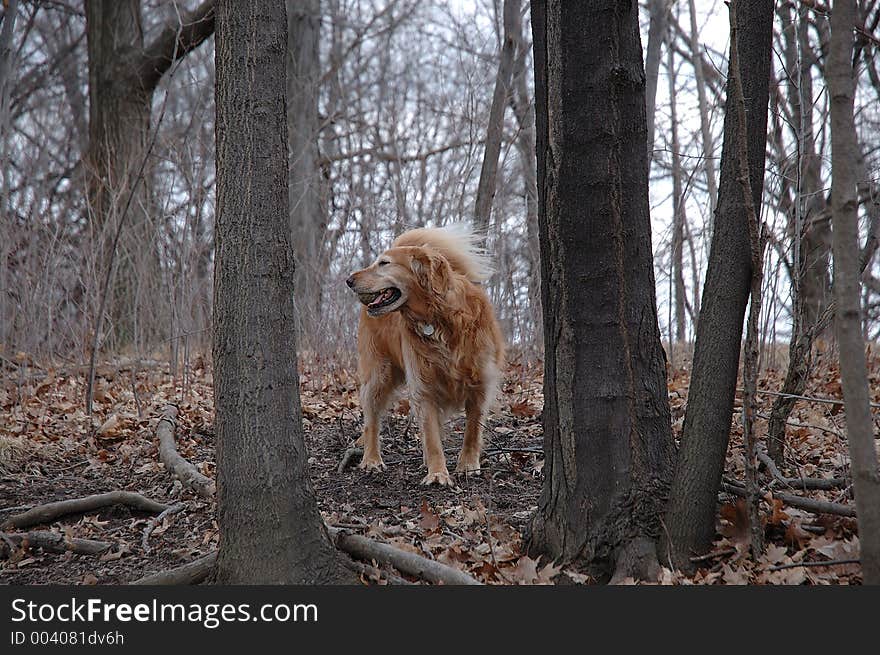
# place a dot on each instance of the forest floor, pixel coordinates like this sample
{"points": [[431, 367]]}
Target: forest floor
{"points": [[50, 450]]}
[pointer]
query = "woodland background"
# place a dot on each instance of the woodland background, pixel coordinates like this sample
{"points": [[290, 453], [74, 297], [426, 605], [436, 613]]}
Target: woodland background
{"points": [[397, 114]]}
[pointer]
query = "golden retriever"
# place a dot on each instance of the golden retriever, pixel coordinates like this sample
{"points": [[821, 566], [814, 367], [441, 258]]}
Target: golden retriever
{"points": [[426, 322]]}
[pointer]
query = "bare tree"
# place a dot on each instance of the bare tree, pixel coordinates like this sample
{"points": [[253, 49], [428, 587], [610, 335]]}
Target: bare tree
{"points": [[658, 11], [308, 219], [270, 528], [607, 435], [123, 74], [690, 516], [854, 377], [489, 170]]}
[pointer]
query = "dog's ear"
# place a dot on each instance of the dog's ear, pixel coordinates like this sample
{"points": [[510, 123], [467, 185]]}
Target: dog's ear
{"points": [[431, 270]]}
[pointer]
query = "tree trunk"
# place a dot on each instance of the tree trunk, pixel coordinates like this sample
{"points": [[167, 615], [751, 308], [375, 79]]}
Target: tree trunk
{"points": [[523, 109], [123, 74], [690, 517], [308, 220], [270, 528], [678, 209], [494, 131], [705, 129], [810, 228], [119, 125], [853, 371], [607, 435], [9, 14], [657, 28]]}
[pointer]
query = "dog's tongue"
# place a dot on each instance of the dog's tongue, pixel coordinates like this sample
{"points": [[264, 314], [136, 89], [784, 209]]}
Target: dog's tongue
{"points": [[385, 295]]}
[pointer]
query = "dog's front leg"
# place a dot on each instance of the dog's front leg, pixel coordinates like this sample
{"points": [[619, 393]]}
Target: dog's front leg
{"points": [[375, 393], [432, 447]]}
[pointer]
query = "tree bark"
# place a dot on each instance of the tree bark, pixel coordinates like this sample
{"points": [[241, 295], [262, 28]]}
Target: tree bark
{"points": [[690, 516], [495, 128], [853, 371], [308, 220], [261, 456], [607, 435]]}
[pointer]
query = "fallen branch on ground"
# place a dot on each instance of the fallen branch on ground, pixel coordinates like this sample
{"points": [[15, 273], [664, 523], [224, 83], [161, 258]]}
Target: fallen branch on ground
{"points": [[53, 542], [798, 483], [808, 504], [181, 468], [410, 563], [155, 521], [51, 511]]}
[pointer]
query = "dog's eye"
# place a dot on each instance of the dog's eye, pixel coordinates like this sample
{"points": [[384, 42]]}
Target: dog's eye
{"points": [[384, 263]]}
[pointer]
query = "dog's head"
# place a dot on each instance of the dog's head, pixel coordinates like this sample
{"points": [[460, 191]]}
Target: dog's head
{"points": [[407, 274]]}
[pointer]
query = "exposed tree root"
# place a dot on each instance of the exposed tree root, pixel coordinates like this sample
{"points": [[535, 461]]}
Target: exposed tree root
{"points": [[155, 521], [180, 467], [191, 573], [355, 545], [410, 563], [51, 511], [52, 542]]}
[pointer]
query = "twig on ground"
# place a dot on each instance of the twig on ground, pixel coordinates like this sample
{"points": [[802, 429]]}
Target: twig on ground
{"points": [[831, 562], [53, 542], [155, 521], [713, 555], [51, 511], [180, 467]]}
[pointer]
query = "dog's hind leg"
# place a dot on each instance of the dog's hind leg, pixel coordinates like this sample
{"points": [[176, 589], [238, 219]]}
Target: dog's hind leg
{"points": [[469, 457], [432, 446], [376, 391]]}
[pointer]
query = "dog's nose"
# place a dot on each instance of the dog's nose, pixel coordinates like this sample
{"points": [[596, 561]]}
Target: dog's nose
{"points": [[350, 281]]}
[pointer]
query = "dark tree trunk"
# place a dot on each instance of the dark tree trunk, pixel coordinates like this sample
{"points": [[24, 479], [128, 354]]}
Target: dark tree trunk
{"points": [[608, 442], [690, 518], [308, 220], [270, 528], [123, 74], [119, 124]]}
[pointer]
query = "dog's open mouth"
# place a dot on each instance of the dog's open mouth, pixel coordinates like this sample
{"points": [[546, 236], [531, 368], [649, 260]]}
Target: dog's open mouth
{"points": [[379, 299]]}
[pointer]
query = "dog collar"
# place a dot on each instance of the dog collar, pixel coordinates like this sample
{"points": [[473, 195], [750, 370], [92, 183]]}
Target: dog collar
{"points": [[426, 329]]}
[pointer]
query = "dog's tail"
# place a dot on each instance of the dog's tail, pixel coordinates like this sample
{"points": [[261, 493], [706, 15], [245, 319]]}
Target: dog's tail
{"points": [[459, 243]]}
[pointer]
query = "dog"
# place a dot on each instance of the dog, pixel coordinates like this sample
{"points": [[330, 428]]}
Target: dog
{"points": [[426, 322]]}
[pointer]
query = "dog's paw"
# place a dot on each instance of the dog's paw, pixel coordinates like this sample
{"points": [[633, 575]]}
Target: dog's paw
{"points": [[372, 465], [441, 478]]}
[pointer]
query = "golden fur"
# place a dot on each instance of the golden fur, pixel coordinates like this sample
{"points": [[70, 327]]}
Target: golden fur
{"points": [[428, 324]]}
